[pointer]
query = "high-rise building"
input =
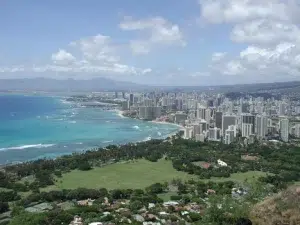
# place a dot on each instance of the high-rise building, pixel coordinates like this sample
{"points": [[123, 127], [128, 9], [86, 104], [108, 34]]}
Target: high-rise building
{"points": [[297, 130], [244, 108], [214, 134], [125, 105], [230, 134], [270, 122], [180, 117], [247, 129], [201, 113], [208, 115], [248, 119], [284, 129], [148, 102], [261, 126], [149, 112], [282, 108], [196, 129], [219, 101], [219, 116], [203, 126], [156, 111], [188, 132], [210, 103], [131, 99], [178, 104], [230, 108], [227, 120]]}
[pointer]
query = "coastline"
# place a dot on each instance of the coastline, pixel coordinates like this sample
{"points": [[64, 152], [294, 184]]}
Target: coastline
{"points": [[181, 128], [120, 113], [59, 147], [168, 123]]}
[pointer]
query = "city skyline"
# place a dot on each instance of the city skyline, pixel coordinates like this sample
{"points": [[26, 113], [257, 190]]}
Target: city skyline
{"points": [[156, 43]]}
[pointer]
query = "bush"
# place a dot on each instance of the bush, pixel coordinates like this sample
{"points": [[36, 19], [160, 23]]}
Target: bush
{"points": [[19, 187], [4, 207], [58, 173], [156, 188], [84, 166], [9, 196], [135, 205], [194, 216], [175, 197]]}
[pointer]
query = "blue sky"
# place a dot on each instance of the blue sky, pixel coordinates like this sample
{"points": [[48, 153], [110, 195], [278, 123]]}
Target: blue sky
{"points": [[167, 42]]}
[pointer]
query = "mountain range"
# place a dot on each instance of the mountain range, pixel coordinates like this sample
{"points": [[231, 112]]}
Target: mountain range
{"points": [[53, 85], [105, 84]]}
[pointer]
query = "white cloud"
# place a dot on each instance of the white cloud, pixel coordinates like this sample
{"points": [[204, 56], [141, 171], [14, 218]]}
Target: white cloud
{"points": [[282, 60], [140, 47], [97, 55], [217, 56], [265, 32], [234, 68], [148, 70], [200, 74], [236, 11], [97, 48], [63, 57], [270, 27], [155, 31]]}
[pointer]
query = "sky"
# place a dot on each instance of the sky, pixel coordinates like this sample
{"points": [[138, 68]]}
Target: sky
{"points": [[157, 42]]}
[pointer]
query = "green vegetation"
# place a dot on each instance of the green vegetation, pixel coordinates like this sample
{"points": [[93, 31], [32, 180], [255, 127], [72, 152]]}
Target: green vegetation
{"points": [[239, 177], [136, 174], [123, 175], [133, 175]]}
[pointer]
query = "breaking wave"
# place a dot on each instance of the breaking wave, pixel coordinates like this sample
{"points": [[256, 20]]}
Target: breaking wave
{"points": [[27, 146]]}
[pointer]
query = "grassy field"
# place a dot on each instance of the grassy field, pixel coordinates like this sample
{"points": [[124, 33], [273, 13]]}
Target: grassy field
{"points": [[239, 177], [135, 174]]}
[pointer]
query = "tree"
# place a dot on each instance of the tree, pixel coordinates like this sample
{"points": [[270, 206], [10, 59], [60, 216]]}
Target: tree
{"points": [[84, 166], [182, 189], [4, 207], [156, 188], [194, 216], [135, 205], [29, 219]]}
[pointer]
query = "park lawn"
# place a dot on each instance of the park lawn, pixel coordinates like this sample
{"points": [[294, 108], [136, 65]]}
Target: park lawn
{"points": [[239, 177], [131, 174], [135, 174]]}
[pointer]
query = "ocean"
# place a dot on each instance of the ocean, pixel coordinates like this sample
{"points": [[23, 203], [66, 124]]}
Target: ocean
{"points": [[34, 127]]}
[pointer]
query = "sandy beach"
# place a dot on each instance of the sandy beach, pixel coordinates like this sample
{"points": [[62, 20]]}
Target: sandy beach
{"points": [[163, 122], [120, 113]]}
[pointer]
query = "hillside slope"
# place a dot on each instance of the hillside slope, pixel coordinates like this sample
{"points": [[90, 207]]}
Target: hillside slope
{"points": [[281, 209]]}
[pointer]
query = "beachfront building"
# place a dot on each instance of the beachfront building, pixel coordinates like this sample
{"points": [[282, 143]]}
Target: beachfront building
{"points": [[149, 112]]}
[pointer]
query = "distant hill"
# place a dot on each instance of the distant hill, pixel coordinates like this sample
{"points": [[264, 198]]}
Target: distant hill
{"points": [[47, 84], [295, 85], [105, 84]]}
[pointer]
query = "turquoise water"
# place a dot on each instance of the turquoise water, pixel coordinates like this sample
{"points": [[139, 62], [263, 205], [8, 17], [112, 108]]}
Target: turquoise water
{"points": [[33, 127]]}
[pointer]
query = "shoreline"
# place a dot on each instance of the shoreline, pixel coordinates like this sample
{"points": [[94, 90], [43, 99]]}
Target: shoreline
{"points": [[120, 113], [117, 113], [168, 123]]}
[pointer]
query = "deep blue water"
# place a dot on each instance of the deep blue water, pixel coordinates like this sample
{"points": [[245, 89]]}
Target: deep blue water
{"points": [[33, 127]]}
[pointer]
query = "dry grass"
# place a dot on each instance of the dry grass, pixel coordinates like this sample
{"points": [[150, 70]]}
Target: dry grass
{"points": [[281, 209]]}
